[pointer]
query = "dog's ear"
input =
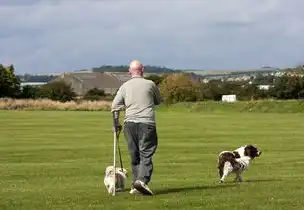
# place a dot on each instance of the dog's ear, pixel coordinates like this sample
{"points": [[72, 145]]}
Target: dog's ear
{"points": [[251, 151], [247, 150], [108, 169], [125, 172]]}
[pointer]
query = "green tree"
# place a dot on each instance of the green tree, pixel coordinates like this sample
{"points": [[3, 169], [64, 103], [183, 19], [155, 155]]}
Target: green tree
{"points": [[247, 92], [155, 78], [212, 90], [9, 82], [288, 87], [179, 87]]}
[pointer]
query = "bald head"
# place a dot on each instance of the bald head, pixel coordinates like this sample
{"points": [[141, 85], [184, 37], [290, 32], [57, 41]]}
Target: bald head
{"points": [[136, 68]]}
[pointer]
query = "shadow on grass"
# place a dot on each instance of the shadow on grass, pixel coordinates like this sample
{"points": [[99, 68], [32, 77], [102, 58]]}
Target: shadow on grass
{"points": [[253, 181], [227, 184], [262, 180], [186, 189], [210, 187]]}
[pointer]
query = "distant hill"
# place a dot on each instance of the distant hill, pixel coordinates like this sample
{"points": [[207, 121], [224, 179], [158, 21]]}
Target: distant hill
{"points": [[105, 68], [195, 74], [123, 68], [210, 73]]}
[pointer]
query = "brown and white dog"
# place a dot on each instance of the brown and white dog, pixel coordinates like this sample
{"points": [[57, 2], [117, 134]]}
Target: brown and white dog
{"points": [[236, 161], [120, 179]]}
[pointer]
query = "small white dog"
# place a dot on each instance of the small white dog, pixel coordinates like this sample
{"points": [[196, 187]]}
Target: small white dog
{"points": [[121, 176]]}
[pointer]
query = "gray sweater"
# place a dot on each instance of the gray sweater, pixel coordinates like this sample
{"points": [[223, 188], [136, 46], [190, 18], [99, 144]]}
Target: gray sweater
{"points": [[138, 96]]}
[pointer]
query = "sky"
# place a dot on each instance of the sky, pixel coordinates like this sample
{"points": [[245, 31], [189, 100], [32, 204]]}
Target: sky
{"points": [[46, 36]]}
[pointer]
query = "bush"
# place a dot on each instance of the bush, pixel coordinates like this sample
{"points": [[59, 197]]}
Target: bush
{"points": [[30, 92], [58, 91], [94, 94], [47, 104], [179, 87]]}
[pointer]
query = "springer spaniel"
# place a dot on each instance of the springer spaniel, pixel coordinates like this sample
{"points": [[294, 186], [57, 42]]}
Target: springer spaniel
{"points": [[236, 161]]}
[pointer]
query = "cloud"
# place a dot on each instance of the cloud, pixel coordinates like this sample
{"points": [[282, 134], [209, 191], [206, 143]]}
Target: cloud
{"points": [[52, 36]]}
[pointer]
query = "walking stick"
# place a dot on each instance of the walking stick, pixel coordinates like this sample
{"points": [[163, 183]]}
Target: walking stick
{"points": [[117, 129], [115, 123]]}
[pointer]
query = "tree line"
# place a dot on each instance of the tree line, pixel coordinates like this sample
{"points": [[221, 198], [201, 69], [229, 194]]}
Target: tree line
{"points": [[180, 87], [55, 90], [175, 87]]}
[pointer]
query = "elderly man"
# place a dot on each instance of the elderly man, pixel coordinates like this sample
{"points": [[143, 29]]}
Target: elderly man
{"points": [[139, 96]]}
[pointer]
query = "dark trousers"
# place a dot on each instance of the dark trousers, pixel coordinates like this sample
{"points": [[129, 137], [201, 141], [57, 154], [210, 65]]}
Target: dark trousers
{"points": [[142, 143]]}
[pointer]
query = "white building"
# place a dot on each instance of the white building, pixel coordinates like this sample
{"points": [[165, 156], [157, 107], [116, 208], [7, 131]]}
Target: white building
{"points": [[37, 84], [229, 98]]}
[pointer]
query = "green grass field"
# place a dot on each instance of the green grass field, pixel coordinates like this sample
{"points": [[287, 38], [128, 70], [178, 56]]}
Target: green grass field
{"points": [[56, 160]]}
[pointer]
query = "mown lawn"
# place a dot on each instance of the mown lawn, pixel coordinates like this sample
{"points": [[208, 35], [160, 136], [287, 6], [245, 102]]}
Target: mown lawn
{"points": [[56, 160]]}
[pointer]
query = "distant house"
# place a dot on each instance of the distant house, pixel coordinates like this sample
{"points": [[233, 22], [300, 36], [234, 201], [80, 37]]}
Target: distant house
{"points": [[82, 81], [37, 84], [264, 87], [121, 76]]}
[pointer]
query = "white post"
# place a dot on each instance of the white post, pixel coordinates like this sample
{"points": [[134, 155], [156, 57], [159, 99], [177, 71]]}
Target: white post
{"points": [[114, 162]]}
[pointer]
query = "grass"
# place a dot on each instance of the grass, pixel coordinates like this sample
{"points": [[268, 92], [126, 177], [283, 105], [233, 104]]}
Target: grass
{"points": [[56, 160]]}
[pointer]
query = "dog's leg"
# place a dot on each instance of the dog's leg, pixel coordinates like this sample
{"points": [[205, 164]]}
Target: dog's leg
{"points": [[220, 166], [238, 177], [227, 170], [225, 174], [109, 189]]}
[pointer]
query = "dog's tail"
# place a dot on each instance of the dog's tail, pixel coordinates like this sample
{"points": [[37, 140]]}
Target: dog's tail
{"points": [[222, 159], [220, 166]]}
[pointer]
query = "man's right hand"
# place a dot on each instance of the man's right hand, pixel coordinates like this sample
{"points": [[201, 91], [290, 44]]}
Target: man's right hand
{"points": [[116, 125], [117, 128]]}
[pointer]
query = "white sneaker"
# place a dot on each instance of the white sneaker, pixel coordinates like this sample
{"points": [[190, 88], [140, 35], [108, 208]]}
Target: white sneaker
{"points": [[133, 191], [142, 187]]}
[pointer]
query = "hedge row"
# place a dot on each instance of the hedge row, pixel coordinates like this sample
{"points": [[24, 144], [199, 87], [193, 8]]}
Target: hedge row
{"points": [[260, 106]]}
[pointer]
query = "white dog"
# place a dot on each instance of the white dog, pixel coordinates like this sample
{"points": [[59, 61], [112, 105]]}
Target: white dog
{"points": [[121, 176]]}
